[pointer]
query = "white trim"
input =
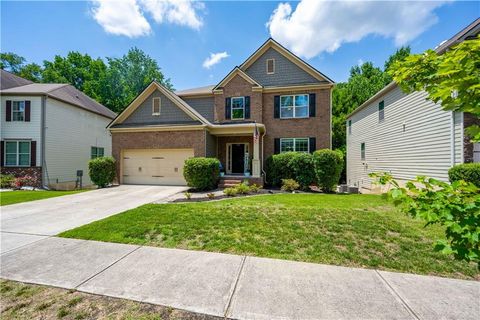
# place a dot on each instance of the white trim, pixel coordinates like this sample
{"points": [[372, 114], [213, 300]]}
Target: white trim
{"points": [[294, 106], [231, 108], [17, 153], [294, 144], [159, 106], [228, 156], [273, 63]]}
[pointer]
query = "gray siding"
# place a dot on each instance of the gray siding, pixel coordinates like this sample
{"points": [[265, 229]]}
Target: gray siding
{"points": [[169, 112], [210, 145], [414, 139], [204, 106], [286, 72]]}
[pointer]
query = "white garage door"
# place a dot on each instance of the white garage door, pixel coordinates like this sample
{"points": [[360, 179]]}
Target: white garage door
{"points": [[155, 166]]}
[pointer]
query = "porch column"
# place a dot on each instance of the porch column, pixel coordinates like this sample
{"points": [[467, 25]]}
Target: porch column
{"points": [[256, 156]]}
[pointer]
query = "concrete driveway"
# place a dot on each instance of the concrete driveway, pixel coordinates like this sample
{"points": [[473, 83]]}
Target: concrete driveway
{"points": [[28, 222]]}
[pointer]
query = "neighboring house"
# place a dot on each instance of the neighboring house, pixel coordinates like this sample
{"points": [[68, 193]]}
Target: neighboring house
{"points": [[49, 131], [408, 135], [273, 102]]}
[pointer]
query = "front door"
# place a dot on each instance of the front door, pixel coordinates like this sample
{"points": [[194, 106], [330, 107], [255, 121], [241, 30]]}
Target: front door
{"points": [[238, 158]]}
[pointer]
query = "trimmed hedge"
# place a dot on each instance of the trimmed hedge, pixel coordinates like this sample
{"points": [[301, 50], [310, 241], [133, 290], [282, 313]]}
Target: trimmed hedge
{"points": [[290, 165], [328, 166], [202, 173], [303, 171], [102, 171], [469, 172]]}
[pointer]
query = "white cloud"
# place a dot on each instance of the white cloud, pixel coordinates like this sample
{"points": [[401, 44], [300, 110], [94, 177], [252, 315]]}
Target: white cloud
{"points": [[317, 26], [214, 59], [127, 17], [121, 18]]}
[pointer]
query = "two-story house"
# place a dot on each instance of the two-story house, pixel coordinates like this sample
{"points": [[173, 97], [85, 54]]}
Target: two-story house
{"points": [[408, 135], [50, 131], [273, 102]]}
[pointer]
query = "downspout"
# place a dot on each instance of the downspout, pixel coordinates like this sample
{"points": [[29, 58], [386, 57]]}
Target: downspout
{"points": [[42, 145], [452, 139], [462, 137], [263, 156], [331, 133]]}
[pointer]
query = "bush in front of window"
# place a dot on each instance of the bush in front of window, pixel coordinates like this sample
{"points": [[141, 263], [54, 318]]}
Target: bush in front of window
{"points": [[6, 181], [468, 172], [303, 171], [202, 173], [102, 171], [278, 167], [328, 166]]}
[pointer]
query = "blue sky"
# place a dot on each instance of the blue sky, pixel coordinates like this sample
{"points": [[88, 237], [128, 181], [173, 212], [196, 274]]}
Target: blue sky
{"points": [[332, 40]]}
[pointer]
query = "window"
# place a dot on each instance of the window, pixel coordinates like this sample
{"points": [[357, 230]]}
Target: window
{"points": [[18, 110], [294, 144], [294, 106], [270, 66], [17, 153], [362, 151], [381, 111], [349, 126], [238, 108], [156, 105], [96, 152]]}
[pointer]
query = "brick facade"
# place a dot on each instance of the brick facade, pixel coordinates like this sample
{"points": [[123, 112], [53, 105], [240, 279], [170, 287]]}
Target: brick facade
{"points": [[222, 146], [157, 140], [468, 120], [34, 172]]}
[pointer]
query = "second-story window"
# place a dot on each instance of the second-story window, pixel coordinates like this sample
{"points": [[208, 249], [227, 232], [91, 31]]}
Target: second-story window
{"points": [[349, 126], [381, 111], [156, 105], [270, 66], [18, 110], [238, 108], [362, 151], [295, 106]]}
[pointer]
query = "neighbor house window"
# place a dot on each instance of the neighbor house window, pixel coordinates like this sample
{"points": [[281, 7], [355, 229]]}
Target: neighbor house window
{"points": [[295, 106], [18, 110], [381, 111], [294, 144], [156, 105], [17, 153], [349, 126], [362, 151], [270, 66], [238, 108], [97, 152]]}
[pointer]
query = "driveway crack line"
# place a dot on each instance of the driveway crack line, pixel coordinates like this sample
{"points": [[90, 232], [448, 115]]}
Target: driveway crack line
{"points": [[396, 294], [107, 267], [229, 304]]}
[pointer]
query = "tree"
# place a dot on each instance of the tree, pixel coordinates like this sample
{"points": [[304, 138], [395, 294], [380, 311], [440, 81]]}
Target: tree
{"points": [[32, 72], [128, 76], [11, 62], [451, 78], [399, 55]]}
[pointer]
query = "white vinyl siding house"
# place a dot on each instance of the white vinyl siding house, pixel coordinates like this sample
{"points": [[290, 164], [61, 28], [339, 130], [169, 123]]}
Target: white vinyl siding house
{"points": [[416, 137], [70, 151]]}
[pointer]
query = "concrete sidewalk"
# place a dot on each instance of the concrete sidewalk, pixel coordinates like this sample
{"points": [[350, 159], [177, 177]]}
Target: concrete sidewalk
{"points": [[237, 286]]}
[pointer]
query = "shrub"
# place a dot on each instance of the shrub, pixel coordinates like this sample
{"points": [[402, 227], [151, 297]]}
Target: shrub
{"points": [[211, 196], [6, 181], [230, 192], [242, 188], [25, 181], [278, 167], [187, 195], [202, 173], [255, 188], [468, 172], [303, 171], [102, 171], [290, 185], [328, 166]]}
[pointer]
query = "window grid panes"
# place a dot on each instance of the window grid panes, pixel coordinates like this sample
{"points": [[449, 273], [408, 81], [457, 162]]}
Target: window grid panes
{"points": [[294, 106], [18, 110], [294, 144], [97, 152], [238, 108], [17, 153]]}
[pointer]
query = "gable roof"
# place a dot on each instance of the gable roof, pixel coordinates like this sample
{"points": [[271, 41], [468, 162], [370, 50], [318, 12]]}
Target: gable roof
{"points": [[205, 90], [62, 92], [154, 85], [9, 80], [464, 34], [271, 43], [237, 71]]}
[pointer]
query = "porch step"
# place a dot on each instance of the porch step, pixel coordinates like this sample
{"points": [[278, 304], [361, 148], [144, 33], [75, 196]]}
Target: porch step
{"points": [[226, 183]]}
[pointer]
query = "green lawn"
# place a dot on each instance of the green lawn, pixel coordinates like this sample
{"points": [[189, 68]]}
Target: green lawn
{"points": [[11, 197], [348, 230]]}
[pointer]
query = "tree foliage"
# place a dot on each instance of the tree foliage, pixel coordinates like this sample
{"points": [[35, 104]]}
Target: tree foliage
{"points": [[451, 78], [114, 83]]}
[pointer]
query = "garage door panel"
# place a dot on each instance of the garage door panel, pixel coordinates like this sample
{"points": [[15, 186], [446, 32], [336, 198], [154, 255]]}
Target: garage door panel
{"points": [[154, 166]]}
